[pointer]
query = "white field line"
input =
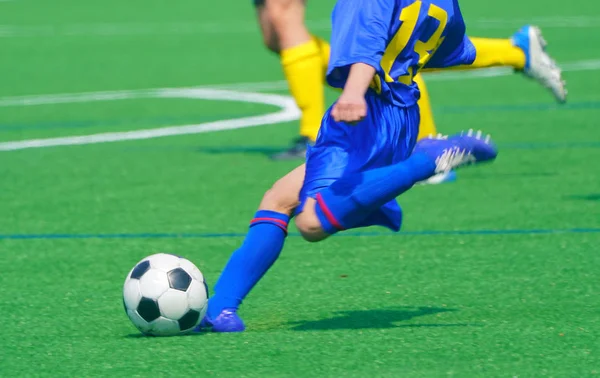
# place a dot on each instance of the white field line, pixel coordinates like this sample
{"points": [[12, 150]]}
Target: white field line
{"points": [[287, 112], [581, 65], [244, 92], [199, 28]]}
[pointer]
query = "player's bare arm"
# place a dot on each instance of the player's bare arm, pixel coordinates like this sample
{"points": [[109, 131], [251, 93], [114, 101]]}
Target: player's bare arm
{"points": [[351, 107]]}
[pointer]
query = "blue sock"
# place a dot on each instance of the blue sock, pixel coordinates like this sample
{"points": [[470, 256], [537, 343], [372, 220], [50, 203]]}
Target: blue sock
{"points": [[352, 198], [250, 262]]}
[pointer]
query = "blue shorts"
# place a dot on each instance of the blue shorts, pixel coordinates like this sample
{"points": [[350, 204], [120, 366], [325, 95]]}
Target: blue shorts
{"points": [[386, 136]]}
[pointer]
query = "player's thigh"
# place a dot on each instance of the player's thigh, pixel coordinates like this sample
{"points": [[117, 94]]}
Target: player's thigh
{"points": [[326, 162], [267, 28], [284, 195]]}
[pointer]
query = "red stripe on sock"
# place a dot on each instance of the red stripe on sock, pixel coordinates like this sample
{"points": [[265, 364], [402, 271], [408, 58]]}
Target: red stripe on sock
{"points": [[274, 220], [328, 214], [277, 222]]}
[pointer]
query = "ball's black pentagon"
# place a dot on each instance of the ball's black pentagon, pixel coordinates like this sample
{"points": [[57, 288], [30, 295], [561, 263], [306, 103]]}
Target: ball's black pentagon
{"points": [[189, 320], [140, 269], [179, 279], [148, 309]]}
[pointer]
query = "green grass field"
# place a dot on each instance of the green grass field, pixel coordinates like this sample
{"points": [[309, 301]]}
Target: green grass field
{"points": [[494, 275]]}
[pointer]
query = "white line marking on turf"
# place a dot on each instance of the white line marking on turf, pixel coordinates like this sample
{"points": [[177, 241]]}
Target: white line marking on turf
{"points": [[224, 92], [581, 65], [198, 28], [288, 112]]}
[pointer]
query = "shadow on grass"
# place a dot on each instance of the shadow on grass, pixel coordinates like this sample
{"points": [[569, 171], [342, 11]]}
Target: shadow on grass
{"points": [[584, 197], [374, 319], [142, 336], [258, 150]]}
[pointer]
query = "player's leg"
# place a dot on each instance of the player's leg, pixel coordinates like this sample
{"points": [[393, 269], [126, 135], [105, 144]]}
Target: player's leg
{"points": [[260, 249], [427, 124], [343, 155], [496, 52], [270, 39], [350, 201], [303, 58], [376, 165], [526, 52]]}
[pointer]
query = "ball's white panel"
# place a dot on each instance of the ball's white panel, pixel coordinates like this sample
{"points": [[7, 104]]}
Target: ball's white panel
{"points": [[164, 262], [173, 304], [197, 295], [137, 321], [164, 327], [192, 270], [131, 294], [154, 283], [203, 310]]}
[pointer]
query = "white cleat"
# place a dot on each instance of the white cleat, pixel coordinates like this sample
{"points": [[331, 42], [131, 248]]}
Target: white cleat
{"points": [[538, 64]]}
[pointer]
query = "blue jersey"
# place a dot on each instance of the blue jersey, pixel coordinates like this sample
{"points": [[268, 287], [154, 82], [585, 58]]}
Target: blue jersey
{"points": [[397, 38]]}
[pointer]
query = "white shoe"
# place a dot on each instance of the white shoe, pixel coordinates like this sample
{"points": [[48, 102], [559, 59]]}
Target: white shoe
{"points": [[538, 64]]}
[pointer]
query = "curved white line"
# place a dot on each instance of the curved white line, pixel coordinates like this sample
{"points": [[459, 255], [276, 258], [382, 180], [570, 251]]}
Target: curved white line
{"points": [[288, 112]]}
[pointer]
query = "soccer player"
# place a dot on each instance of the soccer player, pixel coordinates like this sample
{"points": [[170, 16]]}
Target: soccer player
{"points": [[366, 153], [304, 58]]}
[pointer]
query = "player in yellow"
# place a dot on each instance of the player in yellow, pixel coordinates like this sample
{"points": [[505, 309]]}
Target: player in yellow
{"points": [[304, 59]]}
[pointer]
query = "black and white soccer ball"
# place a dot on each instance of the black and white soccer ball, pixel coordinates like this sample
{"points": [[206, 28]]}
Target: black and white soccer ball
{"points": [[165, 295]]}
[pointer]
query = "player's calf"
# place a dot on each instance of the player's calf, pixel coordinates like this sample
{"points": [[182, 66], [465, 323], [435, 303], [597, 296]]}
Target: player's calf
{"points": [[283, 196]]}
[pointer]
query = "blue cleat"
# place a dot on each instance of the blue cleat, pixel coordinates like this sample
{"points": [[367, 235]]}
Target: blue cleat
{"points": [[227, 321], [538, 64], [458, 150]]}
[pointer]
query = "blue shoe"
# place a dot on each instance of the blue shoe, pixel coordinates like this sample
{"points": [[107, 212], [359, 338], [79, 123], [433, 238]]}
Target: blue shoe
{"points": [[227, 321], [458, 150], [538, 64]]}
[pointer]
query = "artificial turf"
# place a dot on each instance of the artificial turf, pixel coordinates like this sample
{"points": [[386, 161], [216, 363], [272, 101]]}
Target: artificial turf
{"points": [[493, 275]]}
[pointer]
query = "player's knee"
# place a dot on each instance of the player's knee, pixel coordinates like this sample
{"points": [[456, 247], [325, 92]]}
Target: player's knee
{"points": [[310, 228], [270, 39], [271, 42], [275, 199]]}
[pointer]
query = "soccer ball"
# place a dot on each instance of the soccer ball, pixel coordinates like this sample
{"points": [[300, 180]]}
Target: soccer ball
{"points": [[165, 295]]}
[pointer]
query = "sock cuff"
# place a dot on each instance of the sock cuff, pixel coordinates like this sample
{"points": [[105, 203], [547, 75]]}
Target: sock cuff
{"points": [[305, 50], [328, 220], [321, 43], [271, 217]]}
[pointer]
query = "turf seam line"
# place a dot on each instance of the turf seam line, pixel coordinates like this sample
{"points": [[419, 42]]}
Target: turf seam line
{"points": [[169, 235]]}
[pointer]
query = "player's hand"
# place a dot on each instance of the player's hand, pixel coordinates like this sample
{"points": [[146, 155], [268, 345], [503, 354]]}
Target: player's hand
{"points": [[350, 108]]}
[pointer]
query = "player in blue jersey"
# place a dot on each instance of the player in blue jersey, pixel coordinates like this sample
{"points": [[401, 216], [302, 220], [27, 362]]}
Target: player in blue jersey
{"points": [[366, 153], [304, 58]]}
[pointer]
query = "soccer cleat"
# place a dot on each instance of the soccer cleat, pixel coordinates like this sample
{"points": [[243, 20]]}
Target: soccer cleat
{"points": [[227, 321], [458, 150], [538, 64], [297, 151]]}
